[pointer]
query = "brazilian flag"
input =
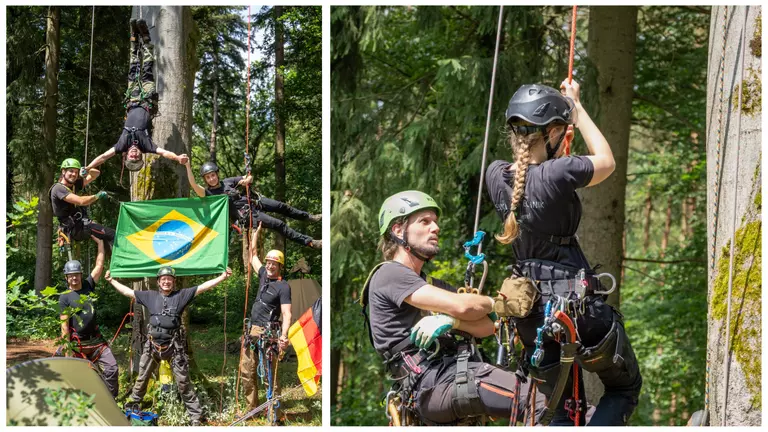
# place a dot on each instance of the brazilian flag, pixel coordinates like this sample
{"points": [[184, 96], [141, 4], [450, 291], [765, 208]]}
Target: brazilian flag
{"points": [[189, 234]]}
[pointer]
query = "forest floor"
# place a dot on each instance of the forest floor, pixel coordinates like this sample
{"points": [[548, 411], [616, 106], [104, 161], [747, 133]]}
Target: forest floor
{"points": [[207, 342]]}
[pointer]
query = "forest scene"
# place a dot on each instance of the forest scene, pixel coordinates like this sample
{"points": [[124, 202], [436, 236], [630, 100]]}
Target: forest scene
{"points": [[410, 92], [237, 85]]}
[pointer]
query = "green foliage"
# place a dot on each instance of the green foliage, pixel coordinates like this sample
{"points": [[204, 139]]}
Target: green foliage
{"points": [[27, 315], [69, 406]]}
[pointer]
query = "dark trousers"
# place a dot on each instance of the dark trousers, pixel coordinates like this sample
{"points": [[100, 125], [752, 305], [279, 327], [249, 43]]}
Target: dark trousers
{"points": [[82, 230], [141, 62], [495, 387], [275, 224], [150, 361], [622, 381]]}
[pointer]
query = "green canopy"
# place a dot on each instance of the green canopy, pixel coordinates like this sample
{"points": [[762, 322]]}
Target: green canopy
{"points": [[29, 384]]}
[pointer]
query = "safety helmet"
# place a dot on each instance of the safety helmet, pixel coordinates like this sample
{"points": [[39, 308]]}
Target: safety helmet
{"points": [[539, 105], [276, 256], [166, 271], [208, 167], [404, 204], [72, 267], [70, 163]]}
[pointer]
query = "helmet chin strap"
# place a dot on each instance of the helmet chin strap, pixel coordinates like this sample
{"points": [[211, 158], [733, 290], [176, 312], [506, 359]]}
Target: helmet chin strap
{"points": [[551, 151], [404, 243]]}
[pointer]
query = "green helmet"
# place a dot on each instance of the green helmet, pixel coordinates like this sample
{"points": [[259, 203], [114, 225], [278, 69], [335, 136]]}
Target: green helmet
{"points": [[70, 163], [166, 271], [404, 204]]}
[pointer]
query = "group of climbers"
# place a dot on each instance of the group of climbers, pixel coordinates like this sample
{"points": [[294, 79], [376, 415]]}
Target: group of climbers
{"points": [[166, 338], [425, 330]]}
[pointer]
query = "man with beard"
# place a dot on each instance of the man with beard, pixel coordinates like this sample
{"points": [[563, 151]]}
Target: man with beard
{"points": [[239, 211], [166, 337], [454, 384], [70, 208], [80, 327]]}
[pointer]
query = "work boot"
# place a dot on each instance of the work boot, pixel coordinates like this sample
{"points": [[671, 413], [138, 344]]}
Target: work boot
{"points": [[144, 31], [317, 244], [315, 217], [134, 30], [196, 423]]}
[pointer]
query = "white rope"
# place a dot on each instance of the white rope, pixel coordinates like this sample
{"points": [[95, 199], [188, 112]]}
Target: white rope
{"points": [[733, 226], [90, 71]]}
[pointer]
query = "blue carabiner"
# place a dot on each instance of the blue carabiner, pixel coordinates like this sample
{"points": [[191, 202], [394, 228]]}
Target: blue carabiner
{"points": [[474, 259]]}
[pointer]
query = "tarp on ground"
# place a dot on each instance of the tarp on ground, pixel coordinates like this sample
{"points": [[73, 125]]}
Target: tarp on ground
{"points": [[304, 292], [29, 383]]}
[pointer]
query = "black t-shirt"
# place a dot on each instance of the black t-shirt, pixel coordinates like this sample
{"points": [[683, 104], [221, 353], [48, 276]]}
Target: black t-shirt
{"points": [[228, 186], [272, 293], [165, 311], [84, 321], [61, 208], [139, 118], [391, 317], [550, 205]]}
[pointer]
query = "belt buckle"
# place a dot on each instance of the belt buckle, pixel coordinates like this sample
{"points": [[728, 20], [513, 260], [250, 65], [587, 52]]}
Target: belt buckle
{"points": [[411, 363]]}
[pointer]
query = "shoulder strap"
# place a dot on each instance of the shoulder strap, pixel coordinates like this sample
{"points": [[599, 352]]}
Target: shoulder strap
{"points": [[364, 300]]}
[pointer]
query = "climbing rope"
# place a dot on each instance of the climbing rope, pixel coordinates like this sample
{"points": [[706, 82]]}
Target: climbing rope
{"points": [[716, 192], [567, 149], [129, 314], [479, 244], [90, 71], [733, 227], [248, 198]]}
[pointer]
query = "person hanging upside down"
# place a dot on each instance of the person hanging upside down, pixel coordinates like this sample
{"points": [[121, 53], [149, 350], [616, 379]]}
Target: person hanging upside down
{"points": [[455, 384], [238, 204], [80, 327], [537, 200], [141, 103], [166, 336], [71, 208]]}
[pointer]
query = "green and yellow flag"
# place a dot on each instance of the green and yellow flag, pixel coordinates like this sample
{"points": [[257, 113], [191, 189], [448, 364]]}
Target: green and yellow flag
{"points": [[189, 234]]}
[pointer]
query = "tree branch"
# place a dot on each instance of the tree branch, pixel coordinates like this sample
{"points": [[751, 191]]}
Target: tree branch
{"points": [[661, 282], [669, 111], [698, 9], [679, 261]]}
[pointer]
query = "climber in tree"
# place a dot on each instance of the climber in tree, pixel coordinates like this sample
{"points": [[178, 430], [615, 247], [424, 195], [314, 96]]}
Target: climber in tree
{"points": [[141, 105]]}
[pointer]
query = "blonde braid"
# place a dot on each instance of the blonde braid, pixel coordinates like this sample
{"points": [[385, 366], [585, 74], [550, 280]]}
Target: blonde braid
{"points": [[523, 156]]}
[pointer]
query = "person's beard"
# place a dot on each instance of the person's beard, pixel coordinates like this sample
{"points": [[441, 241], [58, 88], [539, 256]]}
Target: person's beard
{"points": [[428, 251]]}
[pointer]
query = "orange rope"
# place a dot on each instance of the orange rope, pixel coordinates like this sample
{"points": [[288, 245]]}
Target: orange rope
{"points": [[570, 65], [130, 313], [250, 217]]}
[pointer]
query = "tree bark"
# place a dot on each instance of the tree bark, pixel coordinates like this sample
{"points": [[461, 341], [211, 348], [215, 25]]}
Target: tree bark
{"points": [[733, 207], [212, 146], [611, 46], [174, 38], [647, 224], [667, 227], [50, 102], [279, 117]]}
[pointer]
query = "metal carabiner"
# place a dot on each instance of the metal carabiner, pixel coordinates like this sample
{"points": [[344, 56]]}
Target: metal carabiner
{"points": [[613, 287]]}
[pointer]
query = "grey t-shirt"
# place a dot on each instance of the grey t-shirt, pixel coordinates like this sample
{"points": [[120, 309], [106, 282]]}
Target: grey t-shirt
{"points": [[550, 205], [61, 208], [391, 317], [85, 326], [165, 311]]}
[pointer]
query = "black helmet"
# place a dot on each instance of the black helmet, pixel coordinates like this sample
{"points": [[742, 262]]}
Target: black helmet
{"points": [[166, 271], [72, 267], [539, 105], [208, 167]]}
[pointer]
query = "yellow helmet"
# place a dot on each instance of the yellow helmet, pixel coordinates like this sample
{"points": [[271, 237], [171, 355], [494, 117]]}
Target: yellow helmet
{"points": [[275, 255]]}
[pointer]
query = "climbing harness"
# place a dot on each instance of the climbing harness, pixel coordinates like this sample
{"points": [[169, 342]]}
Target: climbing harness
{"points": [[264, 341], [727, 346]]}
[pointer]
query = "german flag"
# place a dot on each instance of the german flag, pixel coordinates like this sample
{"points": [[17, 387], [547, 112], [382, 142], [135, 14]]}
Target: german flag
{"points": [[305, 336]]}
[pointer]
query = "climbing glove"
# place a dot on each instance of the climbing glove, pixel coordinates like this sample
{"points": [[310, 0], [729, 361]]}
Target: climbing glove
{"points": [[431, 327], [101, 194], [516, 297], [83, 172]]}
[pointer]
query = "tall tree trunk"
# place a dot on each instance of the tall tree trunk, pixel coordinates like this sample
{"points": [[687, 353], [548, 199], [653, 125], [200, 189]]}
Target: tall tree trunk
{"points": [[174, 37], [647, 223], [611, 46], [50, 101], [212, 146], [734, 207], [279, 117], [667, 227]]}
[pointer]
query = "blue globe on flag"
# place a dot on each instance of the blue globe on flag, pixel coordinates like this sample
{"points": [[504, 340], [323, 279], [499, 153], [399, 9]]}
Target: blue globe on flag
{"points": [[173, 239]]}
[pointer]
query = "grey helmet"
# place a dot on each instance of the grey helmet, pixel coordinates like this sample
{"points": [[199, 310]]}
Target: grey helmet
{"points": [[534, 106], [208, 167], [166, 271], [72, 267]]}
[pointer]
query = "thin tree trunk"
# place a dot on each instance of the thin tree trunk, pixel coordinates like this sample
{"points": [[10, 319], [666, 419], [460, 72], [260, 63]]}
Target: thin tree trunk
{"points": [[667, 227], [51, 98], [647, 223], [212, 146], [279, 117]]}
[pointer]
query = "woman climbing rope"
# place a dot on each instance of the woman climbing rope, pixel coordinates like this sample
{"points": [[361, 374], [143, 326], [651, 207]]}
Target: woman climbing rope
{"points": [[536, 198]]}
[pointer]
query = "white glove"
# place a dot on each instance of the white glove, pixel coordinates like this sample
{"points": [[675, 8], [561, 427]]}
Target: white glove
{"points": [[431, 327]]}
